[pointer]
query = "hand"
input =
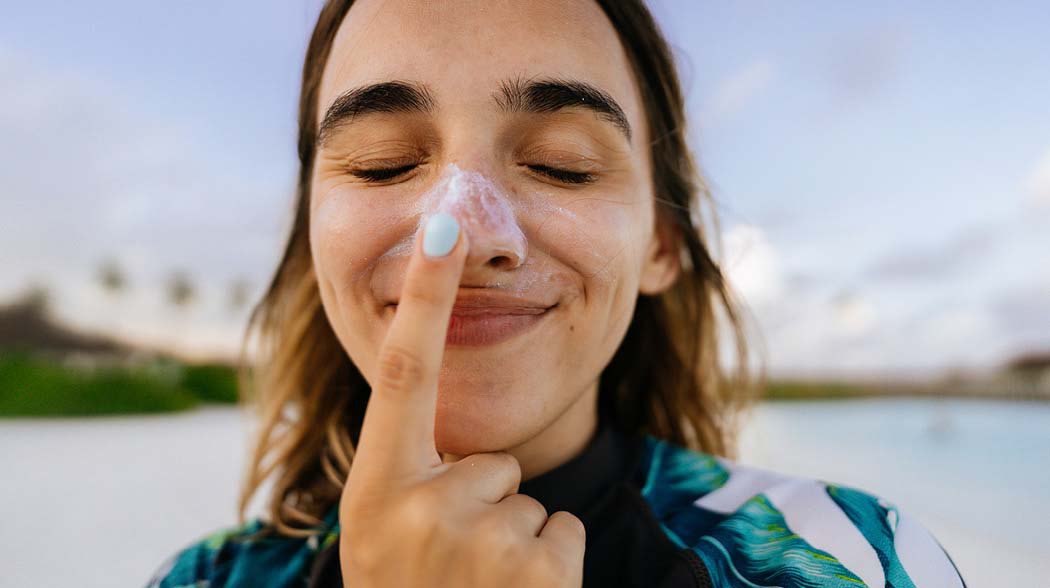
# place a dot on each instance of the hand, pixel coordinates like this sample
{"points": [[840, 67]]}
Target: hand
{"points": [[409, 520]]}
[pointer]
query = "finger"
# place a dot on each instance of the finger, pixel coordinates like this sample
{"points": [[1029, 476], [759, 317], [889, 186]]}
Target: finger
{"points": [[397, 435], [523, 513], [487, 477], [566, 538]]}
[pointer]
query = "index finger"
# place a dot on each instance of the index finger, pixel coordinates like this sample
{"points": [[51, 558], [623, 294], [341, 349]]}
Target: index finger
{"points": [[397, 435]]}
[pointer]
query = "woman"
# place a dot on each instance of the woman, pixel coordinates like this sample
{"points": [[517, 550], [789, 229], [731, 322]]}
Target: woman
{"points": [[497, 250]]}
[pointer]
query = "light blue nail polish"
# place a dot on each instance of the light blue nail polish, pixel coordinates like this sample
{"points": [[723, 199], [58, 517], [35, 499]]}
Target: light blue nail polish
{"points": [[440, 234]]}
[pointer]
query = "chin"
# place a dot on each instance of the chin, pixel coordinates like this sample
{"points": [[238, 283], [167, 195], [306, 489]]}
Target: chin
{"points": [[467, 422]]}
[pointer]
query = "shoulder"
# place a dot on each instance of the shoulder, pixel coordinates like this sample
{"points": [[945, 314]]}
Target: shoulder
{"points": [[754, 526], [241, 555]]}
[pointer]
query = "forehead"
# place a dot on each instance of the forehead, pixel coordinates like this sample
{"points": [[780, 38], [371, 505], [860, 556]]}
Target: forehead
{"points": [[463, 49]]}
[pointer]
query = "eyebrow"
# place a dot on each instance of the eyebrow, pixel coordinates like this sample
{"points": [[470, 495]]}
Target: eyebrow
{"points": [[553, 94], [396, 96], [545, 95]]}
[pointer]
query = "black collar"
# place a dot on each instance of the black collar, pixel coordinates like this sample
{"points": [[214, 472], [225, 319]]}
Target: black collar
{"points": [[580, 484]]}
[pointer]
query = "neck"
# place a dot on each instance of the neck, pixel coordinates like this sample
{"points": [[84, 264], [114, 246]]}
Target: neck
{"points": [[562, 440]]}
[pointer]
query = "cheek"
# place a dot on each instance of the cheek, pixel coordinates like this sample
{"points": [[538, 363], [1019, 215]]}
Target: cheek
{"points": [[348, 234], [599, 238], [602, 239]]}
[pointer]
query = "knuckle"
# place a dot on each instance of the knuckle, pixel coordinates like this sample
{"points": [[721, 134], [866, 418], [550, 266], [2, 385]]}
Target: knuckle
{"points": [[507, 460], [531, 508], [419, 520], [504, 461], [417, 510], [363, 556], [494, 460], [571, 521], [535, 505], [499, 463], [363, 549], [400, 369], [513, 467]]}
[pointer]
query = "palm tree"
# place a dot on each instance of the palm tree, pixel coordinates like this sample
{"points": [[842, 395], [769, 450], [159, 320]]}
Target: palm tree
{"points": [[181, 293], [114, 282], [240, 291], [112, 277]]}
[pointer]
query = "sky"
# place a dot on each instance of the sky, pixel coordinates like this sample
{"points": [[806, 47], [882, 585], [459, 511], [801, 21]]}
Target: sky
{"points": [[881, 173]]}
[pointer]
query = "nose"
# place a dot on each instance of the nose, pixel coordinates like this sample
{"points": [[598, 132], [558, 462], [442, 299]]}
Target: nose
{"points": [[486, 215]]}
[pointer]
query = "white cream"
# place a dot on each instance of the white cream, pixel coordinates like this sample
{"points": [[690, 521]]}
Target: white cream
{"points": [[484, 211]]}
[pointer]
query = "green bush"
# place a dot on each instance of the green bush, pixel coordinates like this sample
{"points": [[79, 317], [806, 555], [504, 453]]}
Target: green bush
{"points": [[31, 386], [211, 382], [814, 390]]}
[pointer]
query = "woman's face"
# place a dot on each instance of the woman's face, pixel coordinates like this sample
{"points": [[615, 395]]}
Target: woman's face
{"points": [[523, 120]]}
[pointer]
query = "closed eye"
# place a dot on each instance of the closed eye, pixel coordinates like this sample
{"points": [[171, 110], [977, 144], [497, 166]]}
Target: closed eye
{"points": [[382, 174], [563, 175]]}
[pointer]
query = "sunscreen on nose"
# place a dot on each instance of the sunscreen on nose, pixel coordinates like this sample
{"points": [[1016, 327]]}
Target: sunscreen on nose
{"points": [[483, 209]]}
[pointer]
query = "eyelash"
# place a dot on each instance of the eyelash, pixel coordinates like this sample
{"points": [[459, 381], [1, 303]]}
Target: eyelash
{"points": [[381, 174], [561, 175]]}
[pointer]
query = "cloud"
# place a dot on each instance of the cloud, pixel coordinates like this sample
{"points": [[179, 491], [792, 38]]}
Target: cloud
{"points": [[812, 333], [733, 93], [752, 265], [952, 331], [1023, 312], [1039, 182], [854, 315], [959, 252]]}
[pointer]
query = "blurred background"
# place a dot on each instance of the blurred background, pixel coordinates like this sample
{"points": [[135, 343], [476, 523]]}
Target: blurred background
{"points": [[882, 175]]}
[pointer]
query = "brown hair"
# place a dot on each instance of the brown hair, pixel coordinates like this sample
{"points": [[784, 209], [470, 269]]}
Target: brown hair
{"points": [[665, 379]]}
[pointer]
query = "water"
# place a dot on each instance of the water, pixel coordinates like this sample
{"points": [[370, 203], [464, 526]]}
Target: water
{"points": [[976, 473], [101, 502]]}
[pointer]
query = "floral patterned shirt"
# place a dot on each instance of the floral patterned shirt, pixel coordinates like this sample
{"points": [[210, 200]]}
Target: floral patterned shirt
{"points": [[656, 515]]}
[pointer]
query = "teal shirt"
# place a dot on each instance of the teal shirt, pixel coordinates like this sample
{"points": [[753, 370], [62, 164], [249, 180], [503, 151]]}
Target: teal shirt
{"points": [[750, 527]]}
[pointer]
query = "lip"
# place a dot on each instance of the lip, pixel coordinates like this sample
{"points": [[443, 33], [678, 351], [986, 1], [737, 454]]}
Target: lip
{"points": [[487, 318]]}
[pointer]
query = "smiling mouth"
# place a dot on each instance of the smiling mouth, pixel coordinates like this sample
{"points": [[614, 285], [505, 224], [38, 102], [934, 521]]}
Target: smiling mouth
{"points": [[473, 325]]}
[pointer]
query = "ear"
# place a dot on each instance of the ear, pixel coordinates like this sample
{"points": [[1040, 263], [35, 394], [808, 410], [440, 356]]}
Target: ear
{"points": [[661, 265]]}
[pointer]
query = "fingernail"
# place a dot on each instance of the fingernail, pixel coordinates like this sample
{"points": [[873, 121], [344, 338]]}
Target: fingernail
{"points": [[440, 234]]}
